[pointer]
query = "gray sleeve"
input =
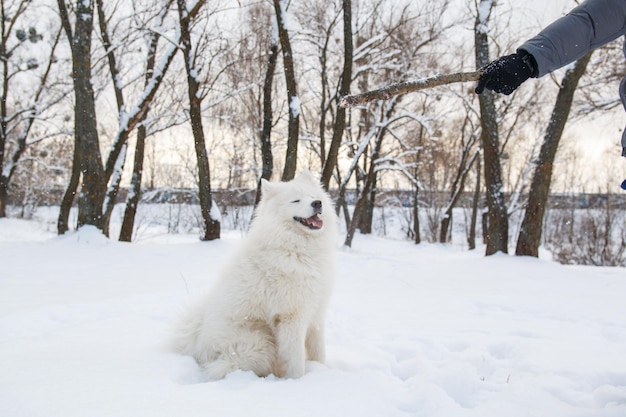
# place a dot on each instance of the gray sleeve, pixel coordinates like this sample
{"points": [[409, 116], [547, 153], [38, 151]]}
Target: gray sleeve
{"points": [[588, 26]]}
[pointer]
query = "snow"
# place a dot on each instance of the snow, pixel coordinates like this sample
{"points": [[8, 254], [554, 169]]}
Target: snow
{"points": [[413, 330], [484, 10], [294, 106], [288, 23], [118, 168], [215, 212]]}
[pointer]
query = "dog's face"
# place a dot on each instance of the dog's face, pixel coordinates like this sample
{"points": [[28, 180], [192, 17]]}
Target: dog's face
{"points": [[300, 204]]}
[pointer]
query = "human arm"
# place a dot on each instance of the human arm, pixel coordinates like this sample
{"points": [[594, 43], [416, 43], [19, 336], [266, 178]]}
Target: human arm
{"points": [[586, 27]]}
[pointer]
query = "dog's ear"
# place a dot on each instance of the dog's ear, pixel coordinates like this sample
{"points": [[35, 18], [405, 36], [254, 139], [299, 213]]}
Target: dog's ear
{"points": [[267, 188], [308, 176]]}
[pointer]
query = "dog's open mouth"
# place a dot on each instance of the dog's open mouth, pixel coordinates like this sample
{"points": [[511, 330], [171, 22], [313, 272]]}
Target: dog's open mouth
{"points": [[314, 222]]}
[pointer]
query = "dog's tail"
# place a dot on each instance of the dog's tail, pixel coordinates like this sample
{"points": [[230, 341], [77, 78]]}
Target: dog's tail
{"points": [[218, 369], [257, 355], [185, 333]]}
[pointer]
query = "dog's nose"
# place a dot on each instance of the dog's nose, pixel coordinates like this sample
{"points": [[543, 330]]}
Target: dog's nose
{"points": [[317, 205]]}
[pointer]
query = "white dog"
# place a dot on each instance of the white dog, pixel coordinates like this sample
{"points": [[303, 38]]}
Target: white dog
{"points": [[266, 313]]}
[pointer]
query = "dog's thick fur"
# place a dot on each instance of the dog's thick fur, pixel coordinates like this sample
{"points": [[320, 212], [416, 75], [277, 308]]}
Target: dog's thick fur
{"points": [[266, 312]]}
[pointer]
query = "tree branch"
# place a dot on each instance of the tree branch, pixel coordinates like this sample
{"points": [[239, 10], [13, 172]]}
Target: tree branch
{"points": [[386, 93], [65, 21]]}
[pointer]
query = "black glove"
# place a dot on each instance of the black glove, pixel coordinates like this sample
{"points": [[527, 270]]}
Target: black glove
{"points": [[506, 73]]}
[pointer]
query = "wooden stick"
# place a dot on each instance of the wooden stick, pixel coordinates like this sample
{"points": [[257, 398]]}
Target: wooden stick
{"points": [[386, 93]]}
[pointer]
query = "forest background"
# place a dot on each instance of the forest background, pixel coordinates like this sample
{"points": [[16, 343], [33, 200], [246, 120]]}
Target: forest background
{"points": [[105, 101]]}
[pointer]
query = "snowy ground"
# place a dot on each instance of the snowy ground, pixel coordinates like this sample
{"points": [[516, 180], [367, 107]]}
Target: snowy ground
{"points": [[424, 330]]}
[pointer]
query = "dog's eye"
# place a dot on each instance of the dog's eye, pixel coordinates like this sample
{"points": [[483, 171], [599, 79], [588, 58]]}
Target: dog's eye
{"points": [[295, 201]]}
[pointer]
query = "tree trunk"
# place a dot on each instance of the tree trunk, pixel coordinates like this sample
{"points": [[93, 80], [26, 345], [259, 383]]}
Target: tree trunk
{"points": [[417, 236], [267, 156], [114, 185], [358, 208], [471, 237], [446, 219], [211, 225], [341, 203], [3, 122], [134, 195], [4, 195], [93, 185], [368, 186], [498, 222], [366, 217], [346, 78], [293, 101], [70, 194], [484, 223], [529, 238], [458, 185]]}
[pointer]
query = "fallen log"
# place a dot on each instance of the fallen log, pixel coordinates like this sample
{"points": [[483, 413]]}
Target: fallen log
{"points": [[392, 90]]}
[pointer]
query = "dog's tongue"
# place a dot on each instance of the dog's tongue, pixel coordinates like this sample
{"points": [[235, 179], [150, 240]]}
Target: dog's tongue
{"points": [[316, 221]]}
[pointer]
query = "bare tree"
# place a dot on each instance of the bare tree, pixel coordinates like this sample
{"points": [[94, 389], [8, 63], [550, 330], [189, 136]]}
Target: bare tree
{"points": [[87, 146], [130, 116], [409, 46], [70, 192], [498, 222], [529, 238], [267, 156], [291, 158], [134, 194], [467, 158], [471, 234], [386, 109], [21, 105], [344, 89], [321, 20], [211, 224]]}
